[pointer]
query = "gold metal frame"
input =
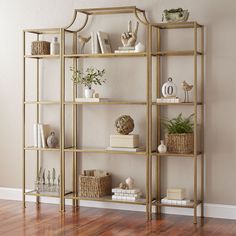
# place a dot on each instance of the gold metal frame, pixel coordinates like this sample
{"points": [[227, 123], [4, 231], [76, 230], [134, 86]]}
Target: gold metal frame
{"points": [[141, 17], [148, 153], [195, 53]]}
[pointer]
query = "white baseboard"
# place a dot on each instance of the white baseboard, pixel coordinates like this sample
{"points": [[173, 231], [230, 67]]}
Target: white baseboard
{"points": [[211, 210]]}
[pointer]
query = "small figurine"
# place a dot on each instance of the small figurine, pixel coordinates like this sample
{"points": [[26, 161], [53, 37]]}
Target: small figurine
{"points": [[129, 38], [44, 176], [53, 176], [186, 87], [49, 177], [130, 182], [52, 140], [83, 41], [58, 180], [123, 186]]}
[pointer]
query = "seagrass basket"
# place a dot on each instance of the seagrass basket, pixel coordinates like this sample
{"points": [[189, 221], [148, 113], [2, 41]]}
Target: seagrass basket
{"points": [[180, 143], [40, 48], [91, 186]]}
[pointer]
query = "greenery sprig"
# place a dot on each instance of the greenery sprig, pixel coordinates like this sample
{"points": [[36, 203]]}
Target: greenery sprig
{"points": [[179, 125], [90, 77]]}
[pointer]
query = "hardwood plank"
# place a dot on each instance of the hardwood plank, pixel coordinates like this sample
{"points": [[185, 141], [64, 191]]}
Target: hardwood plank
{"points": [[47, 220]]}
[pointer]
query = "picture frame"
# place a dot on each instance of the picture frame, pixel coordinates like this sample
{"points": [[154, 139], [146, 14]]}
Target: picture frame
{"points": [[104, 42]]}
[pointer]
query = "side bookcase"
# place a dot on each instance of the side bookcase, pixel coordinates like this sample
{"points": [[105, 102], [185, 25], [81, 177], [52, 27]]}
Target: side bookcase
{"points": [[196, 108]]}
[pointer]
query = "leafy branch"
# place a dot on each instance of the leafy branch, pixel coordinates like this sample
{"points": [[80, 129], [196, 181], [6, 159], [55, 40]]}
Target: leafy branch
{"points": [[91, 76]]}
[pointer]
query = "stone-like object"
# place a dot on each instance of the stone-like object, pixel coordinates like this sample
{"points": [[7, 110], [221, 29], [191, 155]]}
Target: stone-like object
{"points": [[124, 124], [186, 87], [52, 140]]}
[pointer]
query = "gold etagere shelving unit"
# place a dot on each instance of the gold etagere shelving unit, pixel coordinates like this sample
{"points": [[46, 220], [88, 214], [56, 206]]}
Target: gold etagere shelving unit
{"points": [[198, 113], [75, 150]]}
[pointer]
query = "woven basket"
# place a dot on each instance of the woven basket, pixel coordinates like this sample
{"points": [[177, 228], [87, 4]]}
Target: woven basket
{"points": [[40, 48], [180, 143], [90, 186]]}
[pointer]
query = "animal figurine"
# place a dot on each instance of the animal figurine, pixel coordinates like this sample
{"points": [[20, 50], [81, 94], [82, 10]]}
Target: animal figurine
{"points": [[83, 41], [129, 38], [186, 87]]}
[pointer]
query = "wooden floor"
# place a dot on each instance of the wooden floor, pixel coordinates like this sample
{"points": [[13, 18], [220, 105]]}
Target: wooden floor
{"points": [[47, 221]]}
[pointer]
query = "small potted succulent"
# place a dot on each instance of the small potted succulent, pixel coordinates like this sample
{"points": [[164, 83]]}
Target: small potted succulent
{"points": [[179, 137], [90, 77], [175, 15]]}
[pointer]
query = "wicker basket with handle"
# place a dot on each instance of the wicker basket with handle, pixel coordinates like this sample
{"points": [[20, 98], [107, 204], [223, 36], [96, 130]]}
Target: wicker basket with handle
{"points": [[180, 143], [40, 48], [92, 186]]}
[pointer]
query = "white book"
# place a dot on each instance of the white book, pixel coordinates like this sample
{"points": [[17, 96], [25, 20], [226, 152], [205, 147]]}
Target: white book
{"points": [[124, 51], [104, 42], [168, 100], [126, 48], [35, 135], [44, 131], [174, 202], [125, 149], [39, 139], [128, 194], [92, 43], [123, 198], [120, 190], [91, 99]]}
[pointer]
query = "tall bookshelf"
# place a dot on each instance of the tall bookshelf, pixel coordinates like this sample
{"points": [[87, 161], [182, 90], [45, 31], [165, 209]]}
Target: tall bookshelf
{"points": [[75, 150], [149, 154]]}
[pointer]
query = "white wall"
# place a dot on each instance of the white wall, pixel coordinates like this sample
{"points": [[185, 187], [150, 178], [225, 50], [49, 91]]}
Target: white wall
{"points": [[218, 17]]}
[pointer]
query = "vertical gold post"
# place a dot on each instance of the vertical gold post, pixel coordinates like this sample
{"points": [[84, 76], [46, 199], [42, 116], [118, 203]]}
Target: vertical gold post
{"points": [[23, 124], [147, 125], [62, 123], [195, 123], [37, 121], [158, 118], [150, 117], [202, 121], [74, 127]]}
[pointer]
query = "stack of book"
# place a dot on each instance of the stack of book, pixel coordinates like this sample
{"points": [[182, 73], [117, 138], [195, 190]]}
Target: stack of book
{"points": [[41, 132], [126, 194], [125, 50], [168, 100], [175, 196], [127, 143], [100, 42]]}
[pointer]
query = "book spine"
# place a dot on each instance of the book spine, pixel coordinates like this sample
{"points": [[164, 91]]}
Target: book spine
{"points": [[35, 135], [96, 44], [92, 43], [100, 41], [39, 139], [42, 132]]}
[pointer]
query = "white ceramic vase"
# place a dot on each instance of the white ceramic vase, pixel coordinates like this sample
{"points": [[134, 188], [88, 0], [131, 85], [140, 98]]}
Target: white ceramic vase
{"points": [[88, 92], [139, 48], [162, 147]]}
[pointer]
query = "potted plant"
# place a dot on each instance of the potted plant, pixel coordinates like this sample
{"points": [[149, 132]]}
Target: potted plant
{"points": [[90, 77], [179, 137]]}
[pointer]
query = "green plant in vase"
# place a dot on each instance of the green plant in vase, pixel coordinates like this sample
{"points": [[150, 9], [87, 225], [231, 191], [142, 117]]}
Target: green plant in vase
{"points": [[179, 138], [88, 78]]}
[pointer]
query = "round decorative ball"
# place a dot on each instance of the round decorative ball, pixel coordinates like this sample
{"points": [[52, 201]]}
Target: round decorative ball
{"points": [[124, 124]]}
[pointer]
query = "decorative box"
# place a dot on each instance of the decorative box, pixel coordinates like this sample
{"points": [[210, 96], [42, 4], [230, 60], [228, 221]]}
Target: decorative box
{"points": [[126, 141], [40, 48], [94, 185], [175, 193]]}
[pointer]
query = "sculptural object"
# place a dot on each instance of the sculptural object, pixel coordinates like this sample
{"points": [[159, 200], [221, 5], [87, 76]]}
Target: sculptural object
{"points": [[124, 124], [186, 87], [129, 38]]}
